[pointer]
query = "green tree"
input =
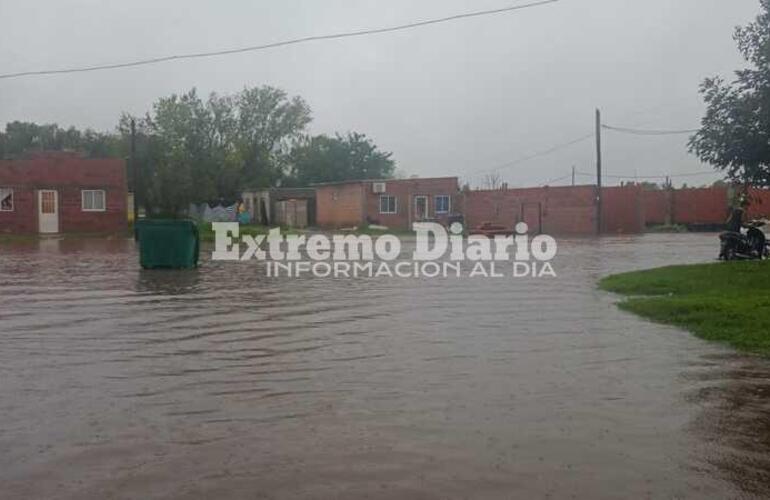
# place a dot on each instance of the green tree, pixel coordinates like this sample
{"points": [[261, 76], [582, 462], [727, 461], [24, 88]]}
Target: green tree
{"points": [[735, 132], [330, 159], [180, 126], [268, 124], [189, 149], [23, 137], [209, 150]]}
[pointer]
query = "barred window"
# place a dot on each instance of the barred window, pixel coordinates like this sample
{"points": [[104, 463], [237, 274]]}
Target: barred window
{"points": [[94, 201], [6, 200], [388, 204], [443, 204]]}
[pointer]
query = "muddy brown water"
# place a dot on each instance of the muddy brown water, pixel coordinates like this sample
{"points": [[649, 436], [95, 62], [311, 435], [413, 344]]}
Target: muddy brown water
{"points": [[221, 383]]}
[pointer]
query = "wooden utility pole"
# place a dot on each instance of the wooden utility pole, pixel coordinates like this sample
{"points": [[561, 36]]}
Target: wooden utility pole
{"points": [[134, 172], [573, 175], [599, 225]]}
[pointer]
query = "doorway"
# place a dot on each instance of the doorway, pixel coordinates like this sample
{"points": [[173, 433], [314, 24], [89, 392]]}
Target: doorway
{"points": [[421, 208], [48, 211]]}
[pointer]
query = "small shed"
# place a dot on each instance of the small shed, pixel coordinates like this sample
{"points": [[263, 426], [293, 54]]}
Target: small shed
{"points": [[263, 205], [291, 213]]}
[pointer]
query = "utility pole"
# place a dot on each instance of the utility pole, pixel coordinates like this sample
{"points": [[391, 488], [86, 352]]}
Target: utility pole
{"points": [[573, 175], [598, 172], [134, 174]]}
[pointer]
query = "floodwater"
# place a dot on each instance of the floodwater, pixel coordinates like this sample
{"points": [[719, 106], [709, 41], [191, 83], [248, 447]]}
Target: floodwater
{"points": [[222, 383]]}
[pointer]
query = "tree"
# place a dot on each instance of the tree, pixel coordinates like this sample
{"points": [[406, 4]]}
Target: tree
{"points": [[204, 151], [649, 186], [22, 137], [735, 132], [493, 181], [268, 123], [339, 158]]}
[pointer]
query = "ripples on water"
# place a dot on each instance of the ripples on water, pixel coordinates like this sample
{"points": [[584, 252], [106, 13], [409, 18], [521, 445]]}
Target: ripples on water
{"points": [[219, 382]]}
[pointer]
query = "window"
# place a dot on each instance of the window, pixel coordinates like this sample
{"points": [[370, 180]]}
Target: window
{"points": [[388, 204], [94, 201], [47, 202], [443, 204], [6, 200]]}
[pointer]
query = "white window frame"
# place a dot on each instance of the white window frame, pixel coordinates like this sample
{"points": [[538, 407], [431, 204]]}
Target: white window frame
{"points": [[83, 200], [9, 190], [419, 197], [395, 204], [448, 205]]}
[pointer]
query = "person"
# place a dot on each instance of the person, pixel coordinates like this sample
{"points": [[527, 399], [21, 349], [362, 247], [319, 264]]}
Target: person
{"points": [[242, 214], [735, 220]]}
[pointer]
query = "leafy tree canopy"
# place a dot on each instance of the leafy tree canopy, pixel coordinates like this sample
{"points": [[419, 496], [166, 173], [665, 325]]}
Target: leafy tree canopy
{"points": [[22, 137], [193, 149], [329, 159], [207, 150], [735, 133]]}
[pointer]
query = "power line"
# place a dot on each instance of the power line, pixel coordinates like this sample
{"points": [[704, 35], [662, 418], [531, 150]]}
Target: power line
{"points": [[296, 41], [690, 174], [552, 181], [649, 132], [535, 155]]}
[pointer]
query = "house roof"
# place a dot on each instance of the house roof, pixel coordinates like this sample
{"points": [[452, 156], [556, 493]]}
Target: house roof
{"points": [[361, 181]]}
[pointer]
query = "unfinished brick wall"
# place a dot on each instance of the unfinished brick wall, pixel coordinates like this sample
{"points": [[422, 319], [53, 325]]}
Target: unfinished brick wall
{"points": [[657, 206], [760, 203], [623, 210], [552, 210], [700, 206], [694, 206], [570, 210], [339, 205]]}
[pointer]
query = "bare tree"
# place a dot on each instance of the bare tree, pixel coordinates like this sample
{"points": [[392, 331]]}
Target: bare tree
{"points": [[493, 181]]}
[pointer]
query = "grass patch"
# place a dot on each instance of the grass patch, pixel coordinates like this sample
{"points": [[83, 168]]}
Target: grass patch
{"points": [[375, 231], [723, 302], [207, 233], [12, 239]]}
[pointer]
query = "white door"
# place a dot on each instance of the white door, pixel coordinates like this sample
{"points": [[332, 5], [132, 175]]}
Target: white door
{"points": [[421, 208], [48, 211]]}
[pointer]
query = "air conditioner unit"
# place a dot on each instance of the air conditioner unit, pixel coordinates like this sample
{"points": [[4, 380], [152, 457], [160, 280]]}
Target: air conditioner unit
{"points": [[378, 187]]}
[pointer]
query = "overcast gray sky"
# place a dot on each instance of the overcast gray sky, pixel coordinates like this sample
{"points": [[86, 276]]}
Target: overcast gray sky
{"points": [[454, 99]]}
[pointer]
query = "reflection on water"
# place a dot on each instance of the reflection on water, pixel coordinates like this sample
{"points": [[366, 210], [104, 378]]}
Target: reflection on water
{"points": [[733, 394], [222, 383], [168, 282]]}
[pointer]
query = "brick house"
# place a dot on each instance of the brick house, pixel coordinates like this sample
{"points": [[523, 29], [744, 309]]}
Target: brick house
{"points": [[395, 203], [61, 192]]}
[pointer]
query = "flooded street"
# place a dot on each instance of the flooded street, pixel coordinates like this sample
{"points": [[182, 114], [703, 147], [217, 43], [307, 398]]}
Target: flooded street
{"points": [[222, 383]]}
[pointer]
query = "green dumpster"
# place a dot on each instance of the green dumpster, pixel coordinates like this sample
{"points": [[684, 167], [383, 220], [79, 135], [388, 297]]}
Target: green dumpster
{"points": [[168, 244]]}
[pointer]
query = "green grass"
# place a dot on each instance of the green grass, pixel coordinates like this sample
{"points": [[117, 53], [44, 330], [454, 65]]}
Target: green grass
{"points": [[207, 233], [368, 230], [12, 239], [723, 302]]}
